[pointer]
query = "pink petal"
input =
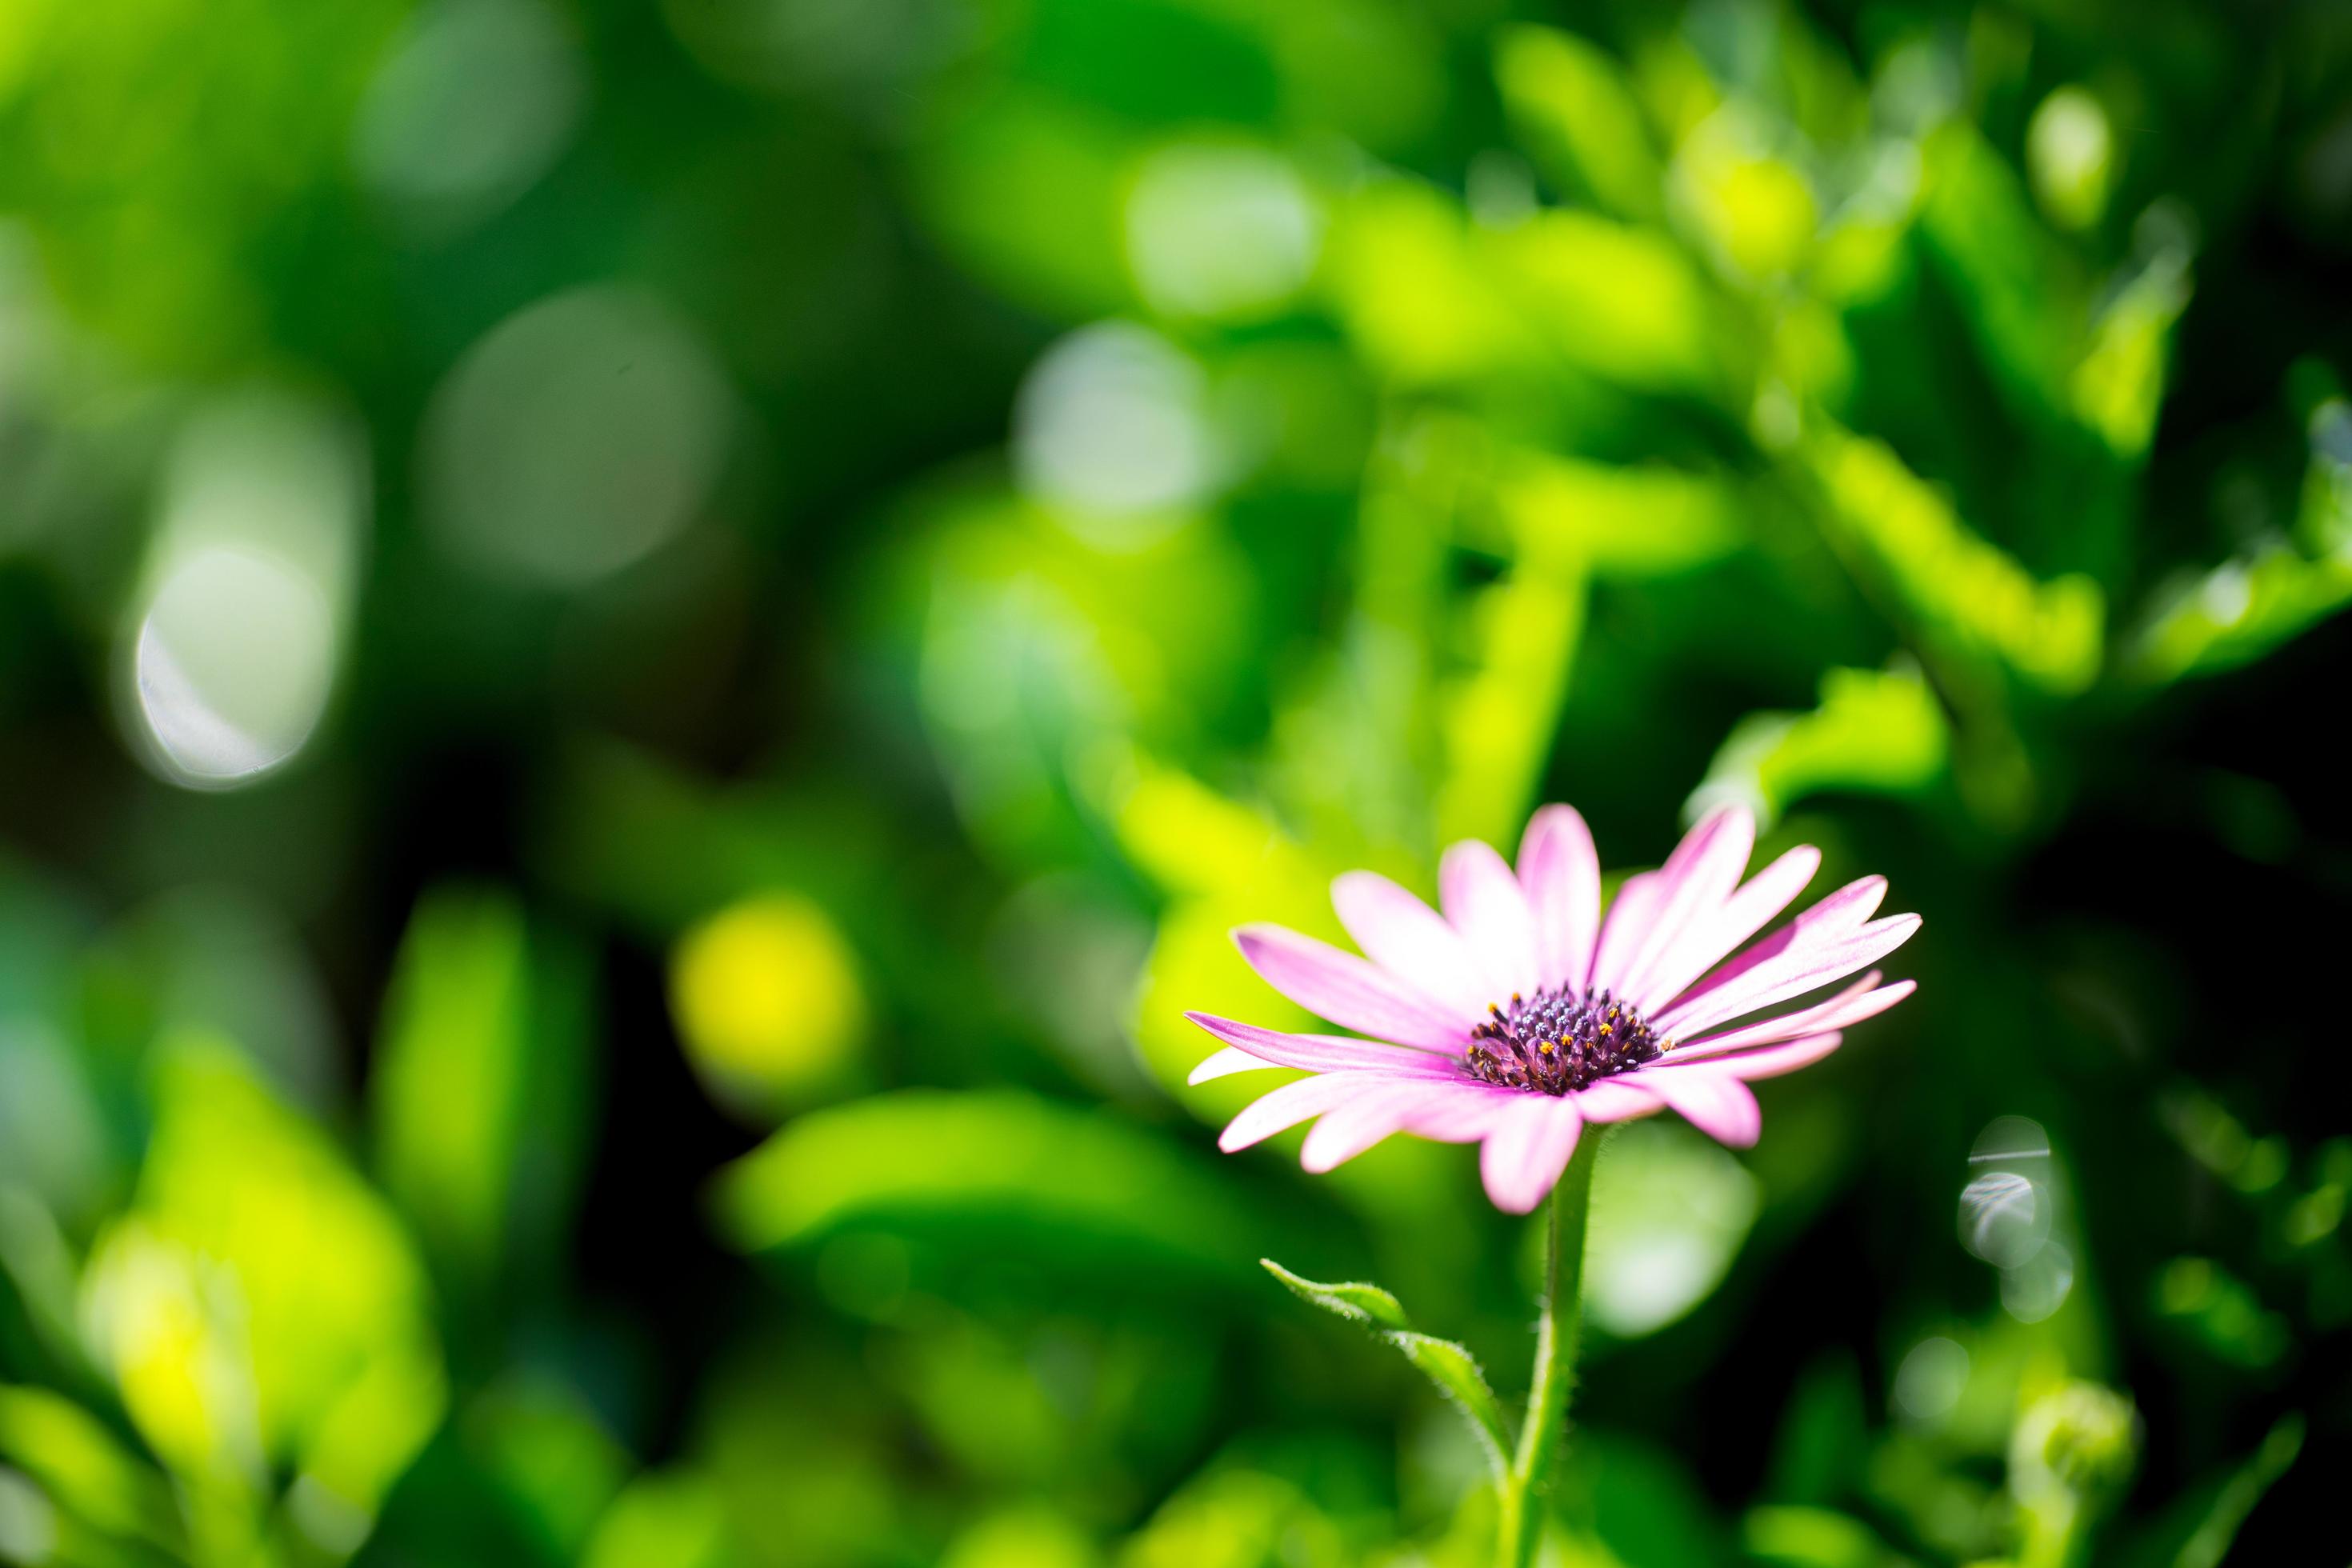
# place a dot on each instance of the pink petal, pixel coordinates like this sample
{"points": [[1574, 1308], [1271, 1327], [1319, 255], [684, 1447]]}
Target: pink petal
{"points": [[1716, 1103], [1282, 1109], [1249, 1047], [1769, 1061], [1836, 916], [1347, 1129], [1349, 991], [1625, 927], [1409, 939], [1695, 881], [1528, 1150], [1615, 1099], [1742, 915], [1459, 1112], [1805, 968], [1483, 900], [1560, 874], [1851, 1006]]}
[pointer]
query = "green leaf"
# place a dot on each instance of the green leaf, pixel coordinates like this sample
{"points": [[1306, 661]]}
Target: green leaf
{"points": [[1877, 730], [970, 1175], [1357, 1302], [1457, 1375], [1449, 1365], [1579, 120], [481, 1092]]}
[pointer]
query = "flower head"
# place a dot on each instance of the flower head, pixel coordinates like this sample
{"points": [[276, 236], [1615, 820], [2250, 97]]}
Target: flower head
{"points": [[1518, 1014]]}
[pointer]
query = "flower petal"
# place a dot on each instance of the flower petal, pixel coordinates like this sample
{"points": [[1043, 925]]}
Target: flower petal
{"points": [[1528, 1150], [1316, 1053], [1695, 883], [1459, 1112], [1484, 901], [1351, 992], [1805, 968], [1741, 916], [1560, 873], [1624, 929], [1716, 1103], [1409, 939], [1851, 1006], [1616, 1099], [1768, 1061], [1350, 1128], [1833, 917], [1281, 1108]]}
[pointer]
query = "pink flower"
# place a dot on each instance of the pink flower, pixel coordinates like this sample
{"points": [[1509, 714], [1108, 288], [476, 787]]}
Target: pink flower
{"points": [[1519, 1015]]}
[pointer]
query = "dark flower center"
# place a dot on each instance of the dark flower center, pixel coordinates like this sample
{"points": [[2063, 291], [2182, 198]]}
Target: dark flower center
{"points": [[1555, 1041]]}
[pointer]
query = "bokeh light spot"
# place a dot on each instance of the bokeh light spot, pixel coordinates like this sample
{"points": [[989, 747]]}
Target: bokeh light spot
{"points": [[1219, 231], [2070, 157], [768, 1001], [2039, 1287], [476, 101], [2006, 1206], [580, 435], [233, 663], [1670, 1209], [1930, 1382], [1113, 425]]}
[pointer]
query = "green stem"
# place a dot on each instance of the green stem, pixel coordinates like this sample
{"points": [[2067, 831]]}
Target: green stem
{"points": [[1558, 1322]]}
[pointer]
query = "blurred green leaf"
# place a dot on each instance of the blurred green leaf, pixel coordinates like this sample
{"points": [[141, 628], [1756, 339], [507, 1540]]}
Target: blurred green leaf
{"points": [[1878, 731], [1622, 302], [2201, 1526], [259, 1302], [1963, 593], [2118, 385], [481, 1086], [2239, 611], [1100, 1195], [1645, 521], [671, 1519], [555, 1462], [86, 1469], [1414, 290], [1815, 1538], [1237, 1519], [1573, 111]]}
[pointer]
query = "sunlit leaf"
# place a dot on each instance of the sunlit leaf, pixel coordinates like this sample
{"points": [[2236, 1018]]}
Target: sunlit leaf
{"points": [[1814, 1538], [481, 1085], [259, 1301], [1624, 303], [2200, 1529], [963, 1170], [672, 1517], [2238, 612], [1620, 520], [85, 1469], [2118, 385], [1414, 290], [1575, 114], [1964, 592], [2006, 272], [1877, 730]]}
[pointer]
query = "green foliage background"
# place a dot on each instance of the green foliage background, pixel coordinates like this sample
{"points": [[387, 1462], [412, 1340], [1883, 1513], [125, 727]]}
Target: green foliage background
{"points": [[633, 1014]]}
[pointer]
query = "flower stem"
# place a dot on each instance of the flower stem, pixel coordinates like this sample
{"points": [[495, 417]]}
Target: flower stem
{"points": [[1558, 1322]]}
